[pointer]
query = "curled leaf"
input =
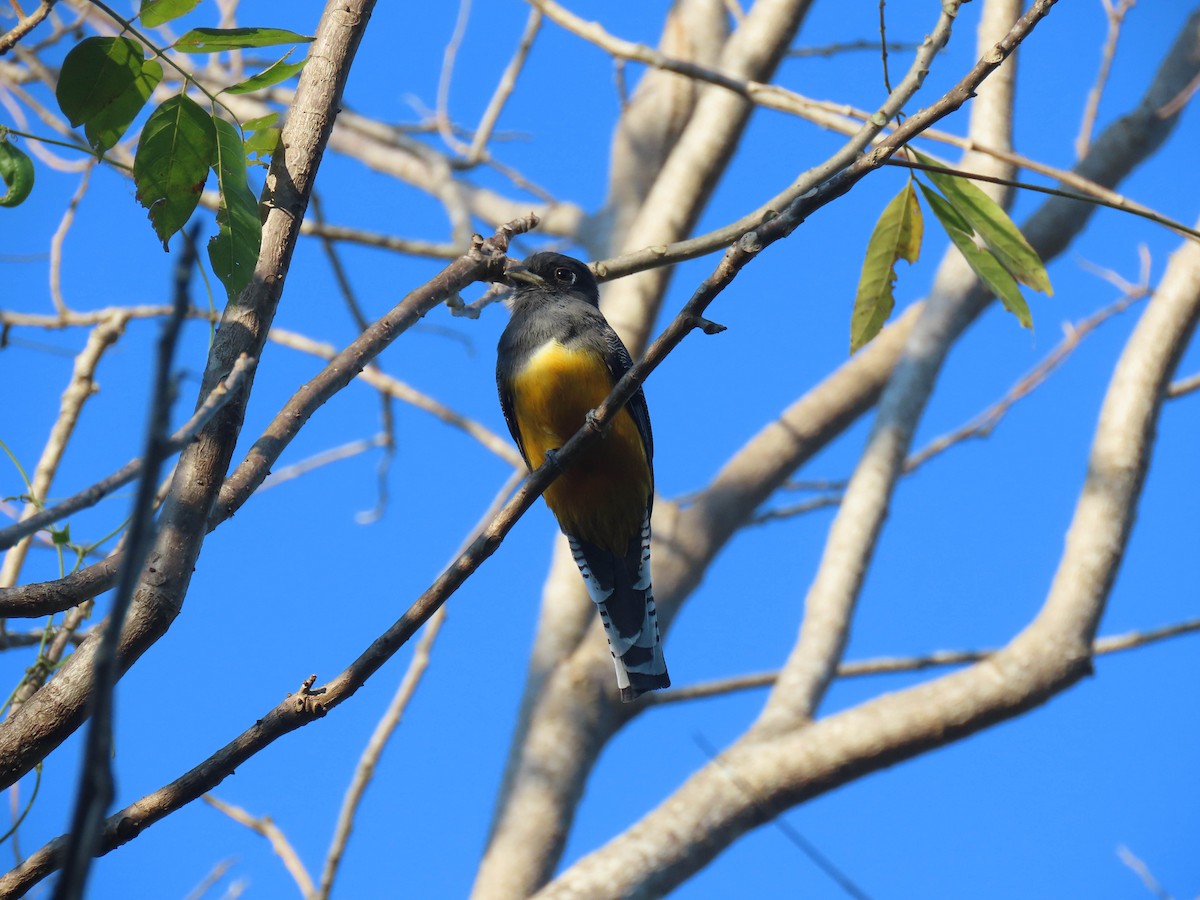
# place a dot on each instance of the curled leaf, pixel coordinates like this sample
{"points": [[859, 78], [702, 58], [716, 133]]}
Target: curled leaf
{"points": [[16, 170]]}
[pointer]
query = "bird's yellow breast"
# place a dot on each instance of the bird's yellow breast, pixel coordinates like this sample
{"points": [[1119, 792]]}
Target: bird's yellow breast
{"points": [[602, 498]]}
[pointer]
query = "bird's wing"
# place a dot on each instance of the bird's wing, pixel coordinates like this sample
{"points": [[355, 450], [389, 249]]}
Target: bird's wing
{"points": [[619, 362], [508, 405]]}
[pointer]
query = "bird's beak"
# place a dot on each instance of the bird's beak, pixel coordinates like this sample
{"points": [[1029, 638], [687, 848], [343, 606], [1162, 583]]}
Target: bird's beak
{"points": [[518, 275]]}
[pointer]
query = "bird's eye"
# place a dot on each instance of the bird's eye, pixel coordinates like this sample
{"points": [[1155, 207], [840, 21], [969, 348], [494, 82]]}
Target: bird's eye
{"points": [[563, 275]]}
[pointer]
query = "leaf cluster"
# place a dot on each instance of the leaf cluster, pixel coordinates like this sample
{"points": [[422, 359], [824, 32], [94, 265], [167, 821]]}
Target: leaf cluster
{"points": [[987, 238], [105, 83]]}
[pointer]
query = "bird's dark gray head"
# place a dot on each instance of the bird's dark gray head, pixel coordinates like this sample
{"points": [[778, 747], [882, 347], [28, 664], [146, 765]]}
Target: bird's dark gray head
{"points": [[544, 274]]}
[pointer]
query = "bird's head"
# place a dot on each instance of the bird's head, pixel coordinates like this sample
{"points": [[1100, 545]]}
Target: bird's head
{"points": [[545, 274]]}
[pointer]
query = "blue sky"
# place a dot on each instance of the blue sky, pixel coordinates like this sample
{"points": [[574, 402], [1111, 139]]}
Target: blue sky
{"points": [[294, 585]]}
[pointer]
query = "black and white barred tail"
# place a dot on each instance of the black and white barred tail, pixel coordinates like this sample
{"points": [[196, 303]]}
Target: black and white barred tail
{"points": [[621, 589]]}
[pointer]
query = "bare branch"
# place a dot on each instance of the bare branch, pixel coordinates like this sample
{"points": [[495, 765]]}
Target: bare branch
{"points": [[785, 768], [79, 390], [394, 387], [504, 88], [849, 47], [266, 826], [1142, 871], [60, 234], [95, 789], [61, 706], [985, 423], [383, 241], [890, 665], [90, 496], [324, 458], [1183, 386], [443, 93], [391, 718], [25, 24], [210, 880], [1115, 13]]}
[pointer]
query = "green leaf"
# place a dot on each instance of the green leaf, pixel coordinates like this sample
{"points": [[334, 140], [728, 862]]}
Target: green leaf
{"points": [[897, 236], [986, 266], [171, 164], [278, 71], [234, 251], [103, 85], [995, 227], [16, 170], [261, 122], [61, 536], [214, 40], [262, 143], [157, 12]]}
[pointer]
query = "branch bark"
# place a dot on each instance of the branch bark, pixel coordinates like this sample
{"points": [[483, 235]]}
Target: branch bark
{"points": [[60, 707]]}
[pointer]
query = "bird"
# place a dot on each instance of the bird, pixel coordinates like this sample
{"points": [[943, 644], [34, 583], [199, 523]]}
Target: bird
{"points": [[556, 361]]}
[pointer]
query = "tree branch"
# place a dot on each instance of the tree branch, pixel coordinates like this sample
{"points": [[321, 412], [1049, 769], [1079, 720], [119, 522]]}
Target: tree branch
{"points": [[92, 495], [60, 707], [715, 806], [891, 665]]}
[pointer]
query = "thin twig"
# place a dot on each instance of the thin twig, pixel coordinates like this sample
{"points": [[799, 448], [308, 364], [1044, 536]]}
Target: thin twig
{"points": [[985, 423], [1120, 204], [504, 88], [365, 769], [445, 129], [387, 417], [78, 391], [1116, 16], [841, 47], [10, 640], [324, 458], [883, 45], [95, 791], [807, 847], [1142, 871], [394, 387], [24, 25], [60, 234], [382, 241], [894, 665], [92, 495], [266, 826], [1183, 386], [210, 880], [1179, 101]]}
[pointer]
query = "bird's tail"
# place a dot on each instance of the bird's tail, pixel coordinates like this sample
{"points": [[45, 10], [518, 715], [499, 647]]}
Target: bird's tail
{"points": [[621, 589]]}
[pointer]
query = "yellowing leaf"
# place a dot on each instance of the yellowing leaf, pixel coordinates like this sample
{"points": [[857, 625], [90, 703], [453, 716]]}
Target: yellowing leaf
{"points": [[897, 235]]}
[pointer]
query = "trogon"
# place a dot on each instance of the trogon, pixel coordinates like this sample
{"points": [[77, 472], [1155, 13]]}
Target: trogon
{"points": [[557, 361]]}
